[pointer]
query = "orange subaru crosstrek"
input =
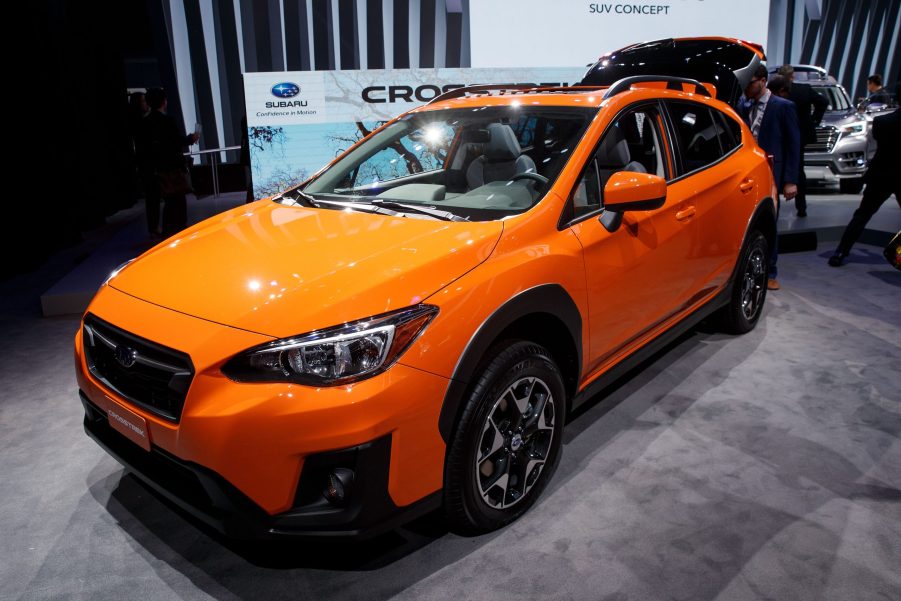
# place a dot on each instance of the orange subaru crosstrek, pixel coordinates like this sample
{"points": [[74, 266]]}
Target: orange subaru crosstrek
{"points": [[410, 328]]}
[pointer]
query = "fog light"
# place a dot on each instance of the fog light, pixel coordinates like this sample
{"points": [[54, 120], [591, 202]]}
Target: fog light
{"points": [[338, 486]]}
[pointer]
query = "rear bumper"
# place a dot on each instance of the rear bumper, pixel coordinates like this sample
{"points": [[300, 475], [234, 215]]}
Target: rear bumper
{"points": [[210, 498]]}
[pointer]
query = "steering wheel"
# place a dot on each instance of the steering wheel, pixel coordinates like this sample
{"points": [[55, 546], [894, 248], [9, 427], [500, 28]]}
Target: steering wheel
{"points": [[530, 175]]}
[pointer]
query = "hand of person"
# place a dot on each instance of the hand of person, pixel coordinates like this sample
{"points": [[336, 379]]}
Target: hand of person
{"points": [[790, 191]]}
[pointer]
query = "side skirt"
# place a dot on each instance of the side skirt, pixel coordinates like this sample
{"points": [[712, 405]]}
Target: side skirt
{"points": [[653, 347]]}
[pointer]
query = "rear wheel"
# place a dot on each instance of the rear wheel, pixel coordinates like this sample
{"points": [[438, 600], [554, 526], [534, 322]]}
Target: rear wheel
{"points": [[749, 287], [507, 443]]}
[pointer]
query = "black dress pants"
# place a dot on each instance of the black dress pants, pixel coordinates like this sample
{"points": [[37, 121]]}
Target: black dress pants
{"points": [[175, 214], [877, 192], [151, 200], [801, 198]]}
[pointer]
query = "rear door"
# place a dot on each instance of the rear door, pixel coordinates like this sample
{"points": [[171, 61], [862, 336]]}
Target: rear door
{"points": [[712, 186]]}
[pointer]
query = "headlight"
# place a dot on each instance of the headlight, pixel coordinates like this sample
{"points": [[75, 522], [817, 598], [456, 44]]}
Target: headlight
{"points": [[855, 129], [337, 355], [115, 272]]}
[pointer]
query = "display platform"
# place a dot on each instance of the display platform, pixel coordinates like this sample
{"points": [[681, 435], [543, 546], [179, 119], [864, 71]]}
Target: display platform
{"points": [[751, 467]]}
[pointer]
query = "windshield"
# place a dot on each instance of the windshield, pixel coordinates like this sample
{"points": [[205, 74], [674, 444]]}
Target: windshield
{"points": [[836, 96], [478, 164]]}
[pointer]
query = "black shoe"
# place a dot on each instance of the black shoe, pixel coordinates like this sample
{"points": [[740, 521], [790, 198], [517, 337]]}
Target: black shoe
{"points": [[802, 213], [838, 258]]}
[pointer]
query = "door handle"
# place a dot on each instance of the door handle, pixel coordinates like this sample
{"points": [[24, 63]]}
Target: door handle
{"points": [[746, 185], [685, 214]]}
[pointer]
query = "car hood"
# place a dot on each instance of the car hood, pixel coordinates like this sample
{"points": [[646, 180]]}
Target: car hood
{"points": [[839, 117], [285, 270]]}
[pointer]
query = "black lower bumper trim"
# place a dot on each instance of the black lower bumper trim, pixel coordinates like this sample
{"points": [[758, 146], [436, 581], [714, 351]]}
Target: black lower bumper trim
{"points": [[210, 498]]}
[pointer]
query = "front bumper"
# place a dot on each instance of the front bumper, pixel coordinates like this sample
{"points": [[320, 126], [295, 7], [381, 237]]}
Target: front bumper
{"points": [[848, 159], [214, 501], [251, 459]]}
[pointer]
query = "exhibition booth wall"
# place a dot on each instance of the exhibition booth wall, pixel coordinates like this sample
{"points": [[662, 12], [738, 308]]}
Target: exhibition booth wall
{"points": [[213, 44], [200, 51]]}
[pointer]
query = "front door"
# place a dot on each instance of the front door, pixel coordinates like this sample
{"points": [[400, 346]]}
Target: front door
{"points": [[635, 273]]}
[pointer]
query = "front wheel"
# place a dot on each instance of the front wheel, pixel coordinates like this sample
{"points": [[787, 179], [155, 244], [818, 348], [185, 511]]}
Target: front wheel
{"points": [[749, 288], [508, 439]]}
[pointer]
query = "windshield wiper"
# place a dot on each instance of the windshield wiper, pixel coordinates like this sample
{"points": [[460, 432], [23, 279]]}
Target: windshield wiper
{"points": [[294, 196], [356, 206], [431, 211]]}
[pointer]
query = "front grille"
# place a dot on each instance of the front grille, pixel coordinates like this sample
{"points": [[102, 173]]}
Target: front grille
{"points": [[147, 374], [827, 136]]}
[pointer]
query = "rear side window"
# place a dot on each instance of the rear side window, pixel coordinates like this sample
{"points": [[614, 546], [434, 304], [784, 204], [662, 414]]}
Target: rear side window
{"points": [[730, 135], [697, 135]]}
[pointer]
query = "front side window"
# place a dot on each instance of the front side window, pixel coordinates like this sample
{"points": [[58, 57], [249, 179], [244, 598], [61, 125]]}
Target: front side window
{"points": [[632, 143], [476, 163]]}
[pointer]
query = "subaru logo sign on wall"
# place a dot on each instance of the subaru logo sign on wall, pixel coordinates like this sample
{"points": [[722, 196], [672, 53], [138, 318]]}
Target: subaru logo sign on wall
{"points": [[285, 90]]}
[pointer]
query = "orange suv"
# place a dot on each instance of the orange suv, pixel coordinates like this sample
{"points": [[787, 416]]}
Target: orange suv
{"points": [[410, 328]]}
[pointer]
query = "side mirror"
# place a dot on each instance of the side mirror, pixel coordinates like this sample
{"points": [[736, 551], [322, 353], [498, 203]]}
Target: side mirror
{"points": [[632, 191]]}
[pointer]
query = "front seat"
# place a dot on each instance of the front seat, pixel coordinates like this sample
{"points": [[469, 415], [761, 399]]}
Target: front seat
{"points": [[501, 158], [613, 156]]}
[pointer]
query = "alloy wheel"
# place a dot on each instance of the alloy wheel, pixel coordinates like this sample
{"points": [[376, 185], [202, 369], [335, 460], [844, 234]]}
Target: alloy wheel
{"points": [[515, 442], [753, 284]]}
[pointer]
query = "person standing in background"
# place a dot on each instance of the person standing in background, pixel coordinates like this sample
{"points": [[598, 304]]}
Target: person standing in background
{"points": [[137, 111], [165, 144], [881, 180], [876, 93], [774, 124], [810, 106]]}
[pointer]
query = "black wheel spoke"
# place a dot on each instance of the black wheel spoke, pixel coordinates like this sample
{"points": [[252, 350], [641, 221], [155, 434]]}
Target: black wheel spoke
{"points": [[515, 442], [752, 285]]}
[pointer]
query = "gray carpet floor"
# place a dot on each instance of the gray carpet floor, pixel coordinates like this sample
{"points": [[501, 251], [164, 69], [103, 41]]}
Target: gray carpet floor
{"points": [[765, 466]]}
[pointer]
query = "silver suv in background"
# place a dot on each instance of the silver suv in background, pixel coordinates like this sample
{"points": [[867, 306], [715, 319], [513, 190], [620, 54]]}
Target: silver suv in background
{"points": [[844, 145]]}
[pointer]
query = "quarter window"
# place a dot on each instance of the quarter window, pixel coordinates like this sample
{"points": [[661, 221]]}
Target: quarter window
{"points": [[730, 134]]}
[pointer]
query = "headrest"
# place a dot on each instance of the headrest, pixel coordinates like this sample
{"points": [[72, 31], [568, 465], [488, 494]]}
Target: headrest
{"points": [[503, 145], [614, 150]]}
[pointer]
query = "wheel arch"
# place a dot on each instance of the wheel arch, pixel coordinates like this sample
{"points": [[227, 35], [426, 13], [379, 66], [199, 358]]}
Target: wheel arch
{"points": [[763, 219], [545, 315]]}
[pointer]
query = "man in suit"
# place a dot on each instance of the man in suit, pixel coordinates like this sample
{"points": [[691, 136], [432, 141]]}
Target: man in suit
{"points": [[164, 144], [881, 180], [876, 94], [811, 106], [774, 123]]}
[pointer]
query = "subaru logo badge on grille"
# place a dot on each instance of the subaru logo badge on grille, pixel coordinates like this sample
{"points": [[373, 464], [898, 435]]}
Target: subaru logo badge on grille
{"points": [[125, 355], [285, 90]]}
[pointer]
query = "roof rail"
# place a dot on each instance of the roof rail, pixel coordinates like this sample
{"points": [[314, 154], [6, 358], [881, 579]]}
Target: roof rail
{"points": [[460, 92], [672, 83], [513, 88]]}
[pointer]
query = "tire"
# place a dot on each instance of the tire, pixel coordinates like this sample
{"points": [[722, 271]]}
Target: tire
{"points": [[749, 287], [851, 186], [502, 454]]}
